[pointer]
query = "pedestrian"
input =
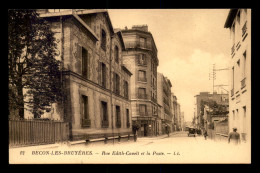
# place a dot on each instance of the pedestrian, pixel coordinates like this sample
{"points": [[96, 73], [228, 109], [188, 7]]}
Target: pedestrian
{"points": [[135, 128], [205, 134], [167, 130], [234, 137]]}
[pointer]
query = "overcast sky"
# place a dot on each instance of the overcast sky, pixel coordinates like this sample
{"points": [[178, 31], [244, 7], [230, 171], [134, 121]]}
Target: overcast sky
{"points": [[189, 41]]}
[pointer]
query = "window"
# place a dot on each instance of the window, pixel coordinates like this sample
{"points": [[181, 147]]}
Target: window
{"points": [[237, 120], [142, 59], [85, 112], [233, 78], [118, 118], [244, 119], [142, 93], [116, 83], [142, 75], [238, 17], [244, 67], [142, 109], [104, 115], [116, 54], [142, 42], [233, 33], [84, 62], [126, 89], [238, 63], [103, 75], [127, 118], [103, 40]]}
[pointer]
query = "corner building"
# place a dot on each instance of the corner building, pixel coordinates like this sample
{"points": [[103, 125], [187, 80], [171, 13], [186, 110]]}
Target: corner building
{"points": [[140, 57], [96, 81]]}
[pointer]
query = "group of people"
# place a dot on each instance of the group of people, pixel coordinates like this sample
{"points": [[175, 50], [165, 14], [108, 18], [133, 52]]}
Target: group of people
{"points": [[233, 137]]}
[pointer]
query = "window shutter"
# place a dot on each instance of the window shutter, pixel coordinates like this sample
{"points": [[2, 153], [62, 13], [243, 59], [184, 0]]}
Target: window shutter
{"points": [[107, 78]]}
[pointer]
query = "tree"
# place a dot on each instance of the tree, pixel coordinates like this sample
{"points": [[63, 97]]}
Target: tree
{"points": [[32, 64]]}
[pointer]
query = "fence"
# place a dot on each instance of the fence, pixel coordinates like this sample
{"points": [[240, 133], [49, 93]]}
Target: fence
{"points": [[31, 132]]}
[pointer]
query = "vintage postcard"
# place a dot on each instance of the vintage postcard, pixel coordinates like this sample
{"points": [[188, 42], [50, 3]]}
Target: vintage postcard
{"points": [[124, 86]]}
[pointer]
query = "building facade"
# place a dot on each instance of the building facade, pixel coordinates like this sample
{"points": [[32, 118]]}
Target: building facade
{"points": [[175, 113], [140, 57], [164, 99], [221, 99], [95, 80], [239, 23]]}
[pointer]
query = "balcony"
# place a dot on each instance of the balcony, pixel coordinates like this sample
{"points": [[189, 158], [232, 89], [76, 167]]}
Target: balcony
{"points": [[142, 79], [233, 49], [105, 124], [232, 92], [243, 83], [137, 44], [142, 96], [86, 122], [118, 124]]}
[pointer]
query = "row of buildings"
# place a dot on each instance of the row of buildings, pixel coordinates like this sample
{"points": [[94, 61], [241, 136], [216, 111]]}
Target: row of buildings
{"points": [[239, 97], [110, 77]]}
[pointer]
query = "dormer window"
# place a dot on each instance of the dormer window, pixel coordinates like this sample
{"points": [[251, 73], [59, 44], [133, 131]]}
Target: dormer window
{"points": [[103, 40]]}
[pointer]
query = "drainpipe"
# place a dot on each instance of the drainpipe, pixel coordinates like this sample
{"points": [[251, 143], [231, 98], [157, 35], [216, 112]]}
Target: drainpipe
{"points": [[111, 94]]}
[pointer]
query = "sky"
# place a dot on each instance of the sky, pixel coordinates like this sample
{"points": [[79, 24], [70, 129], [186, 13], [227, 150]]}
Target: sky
{"points": [[188, 41]]}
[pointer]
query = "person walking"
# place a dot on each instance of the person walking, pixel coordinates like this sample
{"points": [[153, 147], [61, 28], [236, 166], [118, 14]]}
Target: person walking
{"points": [[205, 134], [234, 137], [167, 129], [135, 128]]}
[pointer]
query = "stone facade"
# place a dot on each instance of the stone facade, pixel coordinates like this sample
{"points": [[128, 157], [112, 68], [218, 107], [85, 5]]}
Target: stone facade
{"points": [[96, 81], [140, 57]]}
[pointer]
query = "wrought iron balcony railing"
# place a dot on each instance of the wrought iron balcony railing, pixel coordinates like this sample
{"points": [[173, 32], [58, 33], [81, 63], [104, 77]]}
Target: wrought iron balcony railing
{"points": [[243, 83], [142, 96], [137, 44], [105, 124]]}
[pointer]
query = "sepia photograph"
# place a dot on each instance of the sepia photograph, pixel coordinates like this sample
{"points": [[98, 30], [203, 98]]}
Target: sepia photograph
{"points": [[129, 86]]}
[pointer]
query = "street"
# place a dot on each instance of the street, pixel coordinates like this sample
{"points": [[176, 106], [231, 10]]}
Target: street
{"points": [[178, 148]]}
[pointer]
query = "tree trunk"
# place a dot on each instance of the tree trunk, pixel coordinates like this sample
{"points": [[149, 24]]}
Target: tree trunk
{"points": [[20, 101]]}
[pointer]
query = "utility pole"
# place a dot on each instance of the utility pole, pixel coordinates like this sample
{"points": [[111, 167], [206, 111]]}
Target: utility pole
{"points": [[212, 76]]}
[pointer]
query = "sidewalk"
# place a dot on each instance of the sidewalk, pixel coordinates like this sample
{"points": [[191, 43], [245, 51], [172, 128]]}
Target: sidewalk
{"points": [[157, 137]]}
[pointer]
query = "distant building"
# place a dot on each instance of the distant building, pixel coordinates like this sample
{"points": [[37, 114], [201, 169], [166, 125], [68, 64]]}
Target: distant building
{"points": [[239, 23], [140, 57], [95, 80], [221, 99], [175, 113], [164, 99]]}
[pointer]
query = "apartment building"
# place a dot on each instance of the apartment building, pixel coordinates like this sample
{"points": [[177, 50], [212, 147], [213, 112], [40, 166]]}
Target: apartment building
{"points": [[140, 57], [95, 80], [239, 23]]}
